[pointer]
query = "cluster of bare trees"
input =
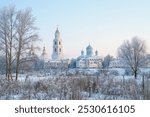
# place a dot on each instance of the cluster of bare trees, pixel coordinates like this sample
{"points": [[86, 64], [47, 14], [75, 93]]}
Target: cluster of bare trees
{"points": [[17, 32]]}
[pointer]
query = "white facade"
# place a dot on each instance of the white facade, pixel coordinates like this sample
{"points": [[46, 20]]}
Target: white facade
{"points": [[57, 55], [147, 61], [59, 64], [117, 63], [57, 47], [89, 60]]}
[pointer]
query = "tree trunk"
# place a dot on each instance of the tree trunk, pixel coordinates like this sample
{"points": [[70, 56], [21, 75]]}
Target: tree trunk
{"points": [[17, 67], [10, 62], [6, 53], [135, 74], [6, 60], [18, 60]]}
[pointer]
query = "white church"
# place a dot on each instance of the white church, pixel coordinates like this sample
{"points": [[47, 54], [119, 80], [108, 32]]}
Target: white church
{"points": [[57, 60], [89, 60]]}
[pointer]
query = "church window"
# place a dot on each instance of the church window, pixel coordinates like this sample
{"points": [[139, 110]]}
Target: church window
{"points": [[59, 43], [60, 50], [55, 43], [55, 50]]}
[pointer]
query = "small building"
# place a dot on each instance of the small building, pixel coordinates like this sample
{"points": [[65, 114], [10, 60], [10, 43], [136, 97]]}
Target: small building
{"points": [[89, 60], [147, 61], [117, 63], [59, 64]]}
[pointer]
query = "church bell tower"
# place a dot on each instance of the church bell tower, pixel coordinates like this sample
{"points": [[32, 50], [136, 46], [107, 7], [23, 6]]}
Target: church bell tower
{"points": [[57, 47]]}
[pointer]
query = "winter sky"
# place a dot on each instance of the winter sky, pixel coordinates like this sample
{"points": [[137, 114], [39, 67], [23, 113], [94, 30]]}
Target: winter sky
{"points": [[102, 23]]}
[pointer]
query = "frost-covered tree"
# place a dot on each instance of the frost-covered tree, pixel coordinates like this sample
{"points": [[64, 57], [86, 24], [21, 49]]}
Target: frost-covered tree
{"points": [[8, 17], [106, 61], [72, 63], [2, 64], [17, 32], [26, 34], [132, 53]]}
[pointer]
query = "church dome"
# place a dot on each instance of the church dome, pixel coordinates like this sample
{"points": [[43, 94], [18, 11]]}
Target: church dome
{"points": [[89, 47], [89, 51]]}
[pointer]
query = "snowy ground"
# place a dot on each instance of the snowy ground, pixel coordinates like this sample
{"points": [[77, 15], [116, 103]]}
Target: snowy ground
{"points": [[77, 84]]}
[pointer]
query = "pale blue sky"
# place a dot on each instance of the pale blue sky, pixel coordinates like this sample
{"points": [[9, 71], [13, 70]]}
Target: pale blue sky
{"points": [[103, 23]]}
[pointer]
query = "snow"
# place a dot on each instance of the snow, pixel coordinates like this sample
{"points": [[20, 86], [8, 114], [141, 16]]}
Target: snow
{"points": [[73, 84], [23, 77], [145, 70], [121, 71], [83, 71]]}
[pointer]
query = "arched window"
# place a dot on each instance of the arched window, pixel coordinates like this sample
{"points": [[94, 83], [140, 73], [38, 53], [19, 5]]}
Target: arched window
{"points": [[55, 43], [59, 49], [55, 50], [59, 43]]}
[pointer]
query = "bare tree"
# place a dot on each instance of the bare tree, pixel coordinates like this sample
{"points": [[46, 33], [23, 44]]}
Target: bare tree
{"points": [[8, 18], [106, 61], [26, 34], [17, 32], [132, 53]]}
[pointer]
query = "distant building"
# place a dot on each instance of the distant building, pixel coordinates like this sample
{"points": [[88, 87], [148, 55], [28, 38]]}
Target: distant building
{"points": [[59, 64], [57, 47], [57, 60], [147, 61], [89, 60], [117, 63]]}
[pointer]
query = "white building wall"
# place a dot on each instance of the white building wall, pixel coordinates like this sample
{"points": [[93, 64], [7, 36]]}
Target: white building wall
{"points": [[117, 63], [57, 47]]}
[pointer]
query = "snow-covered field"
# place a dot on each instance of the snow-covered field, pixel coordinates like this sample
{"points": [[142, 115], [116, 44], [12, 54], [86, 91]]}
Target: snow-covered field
{"points": [[85, 85]]}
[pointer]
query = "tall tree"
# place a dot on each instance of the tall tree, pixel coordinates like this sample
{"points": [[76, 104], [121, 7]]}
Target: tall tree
{"points": [[8, 16], [17, 32], [26, 34], [132, 53]]}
